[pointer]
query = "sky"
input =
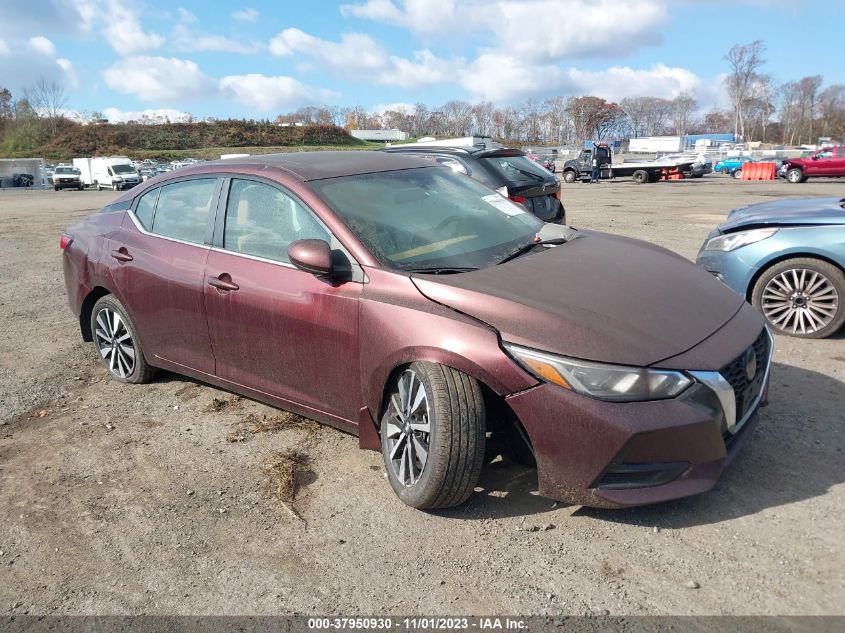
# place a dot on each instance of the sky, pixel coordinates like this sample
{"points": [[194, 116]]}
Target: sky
{"points": [[257, 59]]}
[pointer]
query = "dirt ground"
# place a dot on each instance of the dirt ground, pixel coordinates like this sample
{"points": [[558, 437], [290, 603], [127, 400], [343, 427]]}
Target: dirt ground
{"points": [[155, 499]]}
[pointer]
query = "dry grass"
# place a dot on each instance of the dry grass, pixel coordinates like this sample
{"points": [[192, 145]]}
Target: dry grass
{"points": [[223, 404], [286, 470], [253, 424]]}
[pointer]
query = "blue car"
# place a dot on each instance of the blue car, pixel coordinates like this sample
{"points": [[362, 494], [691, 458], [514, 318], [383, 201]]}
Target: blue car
{"points": [[787, 258], [730, 164]]}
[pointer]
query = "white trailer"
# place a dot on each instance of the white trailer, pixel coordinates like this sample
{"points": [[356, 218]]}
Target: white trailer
{"points": [[84, 167], [655, 144], [380, 135]]}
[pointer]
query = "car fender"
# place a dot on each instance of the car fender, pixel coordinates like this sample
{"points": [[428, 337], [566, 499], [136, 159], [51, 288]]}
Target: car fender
{"points": [[399, 326]]}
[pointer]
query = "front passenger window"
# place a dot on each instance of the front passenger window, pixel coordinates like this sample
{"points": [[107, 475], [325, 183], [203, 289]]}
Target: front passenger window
{"points": [[263, 221]]}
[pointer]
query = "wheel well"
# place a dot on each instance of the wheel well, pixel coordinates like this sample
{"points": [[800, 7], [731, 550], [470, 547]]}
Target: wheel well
{"points": [[85, 312], [750, 290], [501, 419]]}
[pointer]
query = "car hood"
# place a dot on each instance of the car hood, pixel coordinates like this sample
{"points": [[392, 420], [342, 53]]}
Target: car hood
{"points": [[789, 211], [598, 297]]}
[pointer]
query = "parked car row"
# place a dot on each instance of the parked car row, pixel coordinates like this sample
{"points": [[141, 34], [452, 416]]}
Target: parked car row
{"points": [[430, 313], [828, 162]]}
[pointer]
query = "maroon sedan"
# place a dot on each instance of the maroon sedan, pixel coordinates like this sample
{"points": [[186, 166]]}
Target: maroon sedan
{"points": [[407, 304]]}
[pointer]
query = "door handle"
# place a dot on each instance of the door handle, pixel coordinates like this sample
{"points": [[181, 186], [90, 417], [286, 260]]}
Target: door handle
{"points": [[121, 255], [222, 284]]}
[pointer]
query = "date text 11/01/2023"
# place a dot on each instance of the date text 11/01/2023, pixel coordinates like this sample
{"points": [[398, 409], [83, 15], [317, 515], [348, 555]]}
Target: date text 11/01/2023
{"points": [[416, 623]]}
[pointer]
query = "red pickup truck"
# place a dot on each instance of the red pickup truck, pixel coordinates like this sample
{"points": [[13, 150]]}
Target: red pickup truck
{"points": [[828, 161]]}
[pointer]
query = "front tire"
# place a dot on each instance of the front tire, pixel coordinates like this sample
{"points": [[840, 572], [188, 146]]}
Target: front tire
{"points": [[117, 342], [795, 176], [569, 177], [802, 297], [433, 433]]}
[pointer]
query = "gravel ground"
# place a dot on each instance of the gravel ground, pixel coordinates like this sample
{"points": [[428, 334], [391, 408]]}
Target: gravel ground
{"points": [[134, 499]]}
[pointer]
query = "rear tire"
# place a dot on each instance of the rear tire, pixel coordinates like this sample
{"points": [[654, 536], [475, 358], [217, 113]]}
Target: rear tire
{"points": [[792, 291], [640, 176], [736, 174], [433, 441], [117, 342]]}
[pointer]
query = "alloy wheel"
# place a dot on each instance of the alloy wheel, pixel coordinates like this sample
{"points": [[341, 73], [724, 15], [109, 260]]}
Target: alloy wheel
{"points": [[114, 342], [800, 301], [409, 429]]}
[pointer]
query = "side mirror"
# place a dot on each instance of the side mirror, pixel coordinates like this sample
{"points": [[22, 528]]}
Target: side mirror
{"points": [[816, 156], [312, 256]]}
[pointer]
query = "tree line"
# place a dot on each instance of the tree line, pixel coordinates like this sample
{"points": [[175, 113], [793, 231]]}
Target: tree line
{"points": [[761, 109]]}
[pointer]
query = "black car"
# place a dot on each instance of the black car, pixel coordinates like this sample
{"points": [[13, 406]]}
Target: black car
{"points": [[508, 171]]}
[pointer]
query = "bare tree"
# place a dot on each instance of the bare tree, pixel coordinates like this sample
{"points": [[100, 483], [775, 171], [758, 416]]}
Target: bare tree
{"points": [[809, 88], [745, 61], [635, 108], [832, 110], [682, 107]]}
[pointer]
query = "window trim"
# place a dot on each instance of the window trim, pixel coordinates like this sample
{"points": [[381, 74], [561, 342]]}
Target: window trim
{"points": [[209, 222]]}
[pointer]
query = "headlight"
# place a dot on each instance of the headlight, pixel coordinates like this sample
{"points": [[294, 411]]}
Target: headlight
{"points": [[732, 241], [615, 383]]}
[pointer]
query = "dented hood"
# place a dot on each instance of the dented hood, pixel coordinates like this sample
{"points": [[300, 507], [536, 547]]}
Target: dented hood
{"points": [[598, 297]]}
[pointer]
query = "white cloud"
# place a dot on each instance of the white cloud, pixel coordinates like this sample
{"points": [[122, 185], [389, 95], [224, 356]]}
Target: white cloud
{"points": [[577, 28], [361, 56], [399, 106], [266, 94], [186, 16], [42, 45], [354, 52], [158, 78], [186, 40], [426, 69], [498, 77], [622, 81], [246, 15], [153, 115], [69, 71], [4, 48], [122, 28]]}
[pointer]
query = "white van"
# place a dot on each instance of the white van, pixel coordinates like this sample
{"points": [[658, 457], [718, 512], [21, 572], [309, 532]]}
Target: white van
{"points": [[114, 172]]}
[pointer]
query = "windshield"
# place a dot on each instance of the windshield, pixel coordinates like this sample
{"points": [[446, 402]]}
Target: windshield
{"points": [[67, 170], [428, 218], [123, 169], [516, 168]]}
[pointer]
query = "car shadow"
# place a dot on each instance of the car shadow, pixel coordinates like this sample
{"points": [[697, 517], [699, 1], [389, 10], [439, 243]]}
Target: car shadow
{"points": [[795, 454], [505, 489]]}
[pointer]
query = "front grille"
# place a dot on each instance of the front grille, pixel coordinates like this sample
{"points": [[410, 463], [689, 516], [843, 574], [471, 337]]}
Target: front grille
{"points": [[745, 390]]}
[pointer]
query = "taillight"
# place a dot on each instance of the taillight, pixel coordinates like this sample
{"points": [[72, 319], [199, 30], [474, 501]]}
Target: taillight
{"points": [[557, 194], [519, 199], [65, 241]]}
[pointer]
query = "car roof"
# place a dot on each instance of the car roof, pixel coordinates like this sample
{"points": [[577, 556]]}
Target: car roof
{"points": [[476, 151], [318, 165]]}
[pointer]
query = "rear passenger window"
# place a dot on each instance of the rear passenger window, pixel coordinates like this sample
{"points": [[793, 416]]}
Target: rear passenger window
{"points": [[146, 208], [182, 210], [263, 221]]}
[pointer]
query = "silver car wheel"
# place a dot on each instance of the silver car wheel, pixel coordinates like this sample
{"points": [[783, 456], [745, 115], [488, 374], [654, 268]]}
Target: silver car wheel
{"points": [[114, 342], [408, 429], [800, 301]]}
